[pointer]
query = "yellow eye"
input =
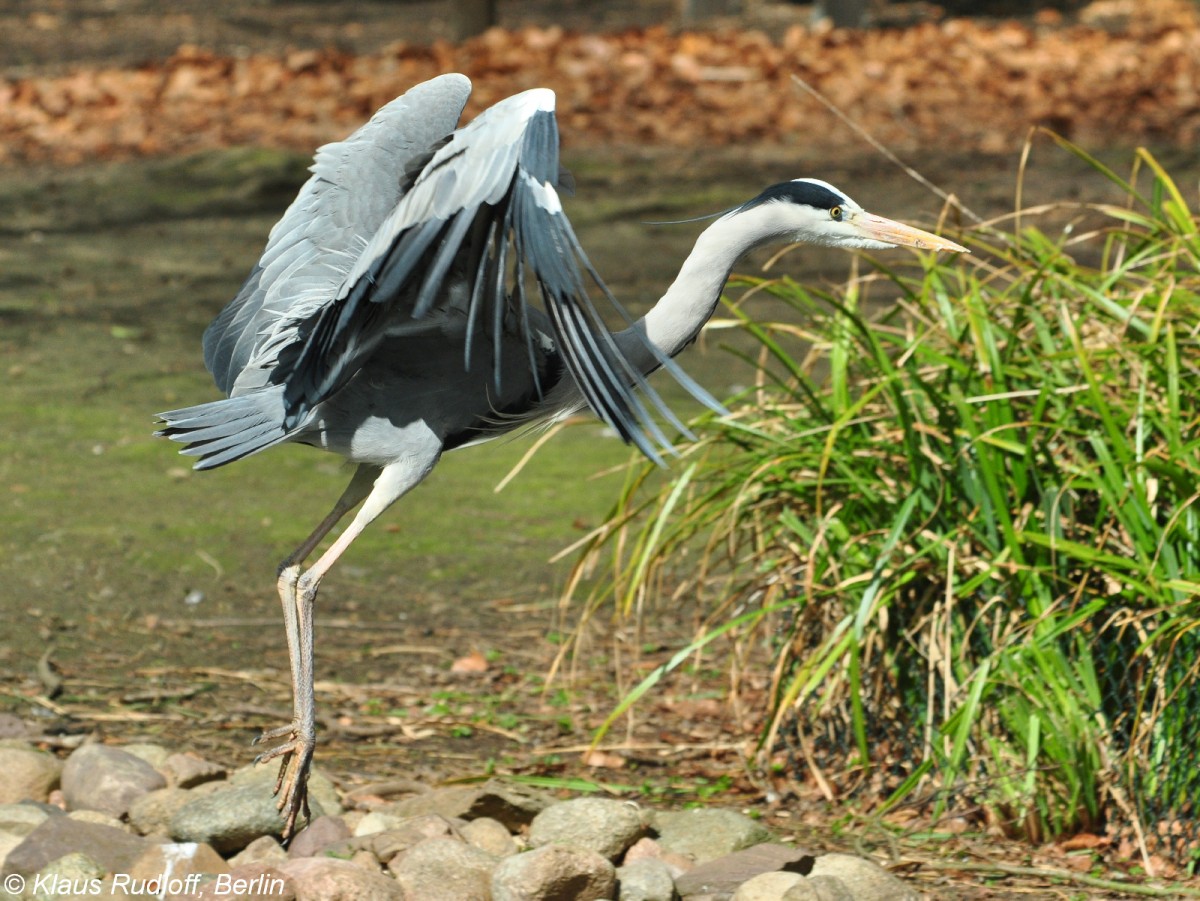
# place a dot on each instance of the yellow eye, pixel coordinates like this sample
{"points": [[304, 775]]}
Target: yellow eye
{"points": [[835, 213]]}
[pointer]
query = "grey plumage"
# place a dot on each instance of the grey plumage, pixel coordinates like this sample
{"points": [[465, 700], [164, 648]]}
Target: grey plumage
{"points": [[390, 319]]}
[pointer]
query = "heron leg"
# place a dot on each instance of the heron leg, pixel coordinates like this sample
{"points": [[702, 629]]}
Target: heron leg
{"points": [[298, 594], [296, 751]]}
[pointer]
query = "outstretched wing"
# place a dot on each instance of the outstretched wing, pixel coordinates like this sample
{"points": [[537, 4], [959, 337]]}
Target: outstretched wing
{"points": [[355, 184], [486, 208], [408, 220]]}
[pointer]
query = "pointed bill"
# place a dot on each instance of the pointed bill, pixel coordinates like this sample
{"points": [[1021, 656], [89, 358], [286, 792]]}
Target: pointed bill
{"points": [[891, 232]]}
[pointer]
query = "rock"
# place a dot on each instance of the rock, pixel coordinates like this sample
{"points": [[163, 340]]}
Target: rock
{"points": [[189, 770], [29, 774], [376, 821], [767, 886], [185, 862], [317, 836], [113, 849], [444, 869], [98, 777], [329, 879], [263, 850], [724, 874], [22, 819], [155, 755], [818, 888], [366, 860], [16, 822], [864, 878], [72, 875], [645, 879], [96, 816], [602, 825], [386, 845], [489, 835], [151, 813], [553, 873], [707, 833], [321, 792], [8, 841], [232, 815], [512, 805], [647, 847], [249, 882]]}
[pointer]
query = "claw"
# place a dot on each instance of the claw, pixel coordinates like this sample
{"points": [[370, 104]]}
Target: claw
{"points": [[278, 732], [291, 785]]}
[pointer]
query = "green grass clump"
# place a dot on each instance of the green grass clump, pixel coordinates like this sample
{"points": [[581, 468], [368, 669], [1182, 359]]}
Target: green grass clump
{"points": [[956, 523]]}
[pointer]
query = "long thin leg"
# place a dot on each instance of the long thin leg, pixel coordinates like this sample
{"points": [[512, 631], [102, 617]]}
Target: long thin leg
{"points": [[297, 751], [289, 573]]}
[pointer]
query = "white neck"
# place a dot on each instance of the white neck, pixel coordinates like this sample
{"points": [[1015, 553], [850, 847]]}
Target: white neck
{"points": [[676, 320]]}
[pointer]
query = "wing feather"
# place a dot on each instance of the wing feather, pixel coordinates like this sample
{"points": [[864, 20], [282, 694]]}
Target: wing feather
{"points": [[355, 184], [394, 216]]}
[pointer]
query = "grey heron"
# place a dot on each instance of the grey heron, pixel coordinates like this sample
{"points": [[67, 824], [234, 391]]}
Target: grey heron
{"points": [[391, 318]]}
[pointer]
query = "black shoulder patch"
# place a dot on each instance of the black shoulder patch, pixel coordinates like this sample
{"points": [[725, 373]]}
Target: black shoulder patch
{"points": [[801, 192]]}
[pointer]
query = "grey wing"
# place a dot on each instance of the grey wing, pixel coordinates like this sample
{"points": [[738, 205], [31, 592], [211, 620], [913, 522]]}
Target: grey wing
{"points": [[484, 206], [355, 184]]}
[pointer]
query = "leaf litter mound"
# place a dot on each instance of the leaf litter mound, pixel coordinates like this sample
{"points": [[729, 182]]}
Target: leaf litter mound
{"points": [[1111, 75]]}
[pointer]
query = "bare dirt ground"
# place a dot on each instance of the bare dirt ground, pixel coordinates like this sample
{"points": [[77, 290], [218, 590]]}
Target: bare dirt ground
{"points": [[162, 629]]}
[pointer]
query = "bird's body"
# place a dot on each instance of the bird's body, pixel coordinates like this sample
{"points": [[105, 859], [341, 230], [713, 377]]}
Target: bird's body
{"points": [[390, 319]]}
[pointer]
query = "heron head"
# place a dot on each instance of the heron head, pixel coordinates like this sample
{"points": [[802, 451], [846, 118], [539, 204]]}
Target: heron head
{"points": [[812, 211]]}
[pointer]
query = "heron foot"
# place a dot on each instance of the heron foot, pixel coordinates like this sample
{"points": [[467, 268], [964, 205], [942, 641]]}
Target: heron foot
{"points": [[291, 785]]}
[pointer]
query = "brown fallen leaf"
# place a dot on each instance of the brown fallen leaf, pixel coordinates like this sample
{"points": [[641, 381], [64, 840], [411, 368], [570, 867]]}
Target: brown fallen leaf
{"points": [[474, 662], [603, 760]]}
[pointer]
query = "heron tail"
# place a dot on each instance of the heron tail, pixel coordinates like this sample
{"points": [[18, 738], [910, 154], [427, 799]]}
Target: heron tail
{"points": [[226, 430]]}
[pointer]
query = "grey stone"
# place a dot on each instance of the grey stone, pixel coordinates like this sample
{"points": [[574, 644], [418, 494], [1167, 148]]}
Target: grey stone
{"points": [[114, 849], [322, 794], [602, 825], [512, 805], [377, 821], [444, 869], [553, 873], [263, 850], [247, 882], [181, 860], [21, 819], [489, 835], [864, 878], [330, 879], [8, 841], [317, 836], [151, 813], [189, 770], [102, 819], [649, 848], [98, 777], [387, 844], [233, 815], [724, 874], [29, 774], [74, 874], [767, 886], [155, 755], [645, 879], [707, 833], [819, 888]]}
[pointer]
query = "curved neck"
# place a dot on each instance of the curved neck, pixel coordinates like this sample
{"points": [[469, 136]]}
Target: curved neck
{"points": [[675, 321]]}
